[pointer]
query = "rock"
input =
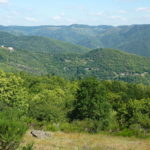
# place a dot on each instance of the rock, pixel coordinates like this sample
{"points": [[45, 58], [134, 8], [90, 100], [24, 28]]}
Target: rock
{"points": [[40, 134]]}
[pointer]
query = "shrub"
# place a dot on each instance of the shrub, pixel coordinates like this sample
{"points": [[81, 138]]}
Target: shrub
{"points": [[12, 128], [47, 106], [45, 112], [12, 92], [52, 127], [126, 133], [70, 127], [87, 125]]}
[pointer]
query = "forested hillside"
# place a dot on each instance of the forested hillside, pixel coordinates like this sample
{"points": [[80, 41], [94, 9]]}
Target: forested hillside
{"points": [[40, 55], [39, 44], [133, 39], [101, 63]]}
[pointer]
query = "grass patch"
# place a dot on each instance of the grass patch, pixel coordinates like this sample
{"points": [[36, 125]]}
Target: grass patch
{"points": [[85, 141]]}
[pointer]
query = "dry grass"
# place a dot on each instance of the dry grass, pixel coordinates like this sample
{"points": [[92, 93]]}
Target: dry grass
{"points": [[80, 141]]}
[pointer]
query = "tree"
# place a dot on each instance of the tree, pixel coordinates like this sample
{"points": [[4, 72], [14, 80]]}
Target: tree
{"points": [[91, 102], [12, 92], [139, 112], [49, 105]]}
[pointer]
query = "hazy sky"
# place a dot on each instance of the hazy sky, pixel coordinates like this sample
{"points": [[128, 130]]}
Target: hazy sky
{"points": [[66, 12]]}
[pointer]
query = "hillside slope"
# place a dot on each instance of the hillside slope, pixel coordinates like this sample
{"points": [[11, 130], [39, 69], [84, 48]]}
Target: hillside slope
{"points": [[102, 63], [39, 44], [110, 63]]}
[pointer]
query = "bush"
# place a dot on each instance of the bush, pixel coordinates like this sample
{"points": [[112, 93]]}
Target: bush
{"points": [[126, 133], [88, 125], [134, 131], [45, 112], [70, 127], [12, 92], [47, 106], [139, 131], [53, 127], [12, 129]]}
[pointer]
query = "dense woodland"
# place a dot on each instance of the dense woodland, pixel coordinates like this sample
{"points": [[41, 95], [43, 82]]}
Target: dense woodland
{"points": [[106, 64], [56, 104]]}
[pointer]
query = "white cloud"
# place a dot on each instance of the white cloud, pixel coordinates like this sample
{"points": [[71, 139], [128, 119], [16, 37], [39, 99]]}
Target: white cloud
{"points": [[144, 9], [3, 1], [58, 17], [31, 19]]}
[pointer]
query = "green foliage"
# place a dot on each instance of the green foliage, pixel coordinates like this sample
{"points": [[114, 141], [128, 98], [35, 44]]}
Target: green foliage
{"points": [[91, 102], [12, 128], [12, 93], [126, 133], [117, 65], [85, 105], [87, 125], [135, 131], [101, 63], [27, 147], [52, 99], [46, 111], [53, 127], [140, 111], [39, 44]]}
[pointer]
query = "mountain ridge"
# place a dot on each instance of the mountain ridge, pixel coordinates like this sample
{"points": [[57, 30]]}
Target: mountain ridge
{"points": [[130, 38]]}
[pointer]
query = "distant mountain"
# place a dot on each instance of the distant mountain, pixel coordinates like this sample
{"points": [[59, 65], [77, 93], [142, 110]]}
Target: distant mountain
{"points": [[102, 63], [39, 44], [133, 39]]}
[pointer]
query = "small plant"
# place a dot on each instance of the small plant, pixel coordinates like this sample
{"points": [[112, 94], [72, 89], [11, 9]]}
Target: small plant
{"points": [[53, 127], [27, 147]]}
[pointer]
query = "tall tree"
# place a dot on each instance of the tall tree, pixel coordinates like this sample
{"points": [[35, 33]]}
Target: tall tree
{"points": [[91, 101]]}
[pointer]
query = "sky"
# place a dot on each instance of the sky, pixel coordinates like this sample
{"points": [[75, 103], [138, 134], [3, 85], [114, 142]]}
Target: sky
{"points": [[67, 12]]}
